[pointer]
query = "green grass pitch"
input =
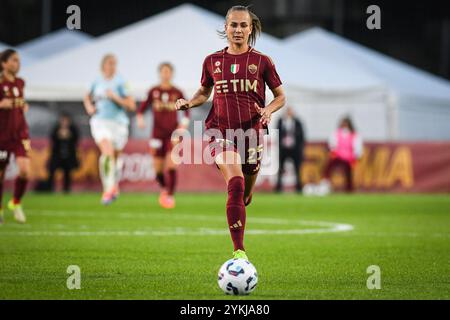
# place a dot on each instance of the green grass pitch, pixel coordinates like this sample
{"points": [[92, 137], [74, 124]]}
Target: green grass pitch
{"points": [[303, 248]]}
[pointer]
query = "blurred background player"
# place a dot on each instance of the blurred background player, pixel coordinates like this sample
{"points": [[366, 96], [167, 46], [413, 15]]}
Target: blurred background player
{"points": [[239, 75], [14, 136], [291, 144], [346, 147], [107, 103], [64, 141], [162, 100]]}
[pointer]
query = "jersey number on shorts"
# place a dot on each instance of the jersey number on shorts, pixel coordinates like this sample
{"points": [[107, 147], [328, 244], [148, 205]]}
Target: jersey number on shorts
{"points": [[255, 154]]}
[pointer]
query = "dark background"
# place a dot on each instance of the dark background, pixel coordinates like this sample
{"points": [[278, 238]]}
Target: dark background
{"points": [[416, 32]]}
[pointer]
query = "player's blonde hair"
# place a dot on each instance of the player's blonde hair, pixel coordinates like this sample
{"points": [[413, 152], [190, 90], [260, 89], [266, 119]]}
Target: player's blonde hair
{"points": [[256, 24], [105, 58]]}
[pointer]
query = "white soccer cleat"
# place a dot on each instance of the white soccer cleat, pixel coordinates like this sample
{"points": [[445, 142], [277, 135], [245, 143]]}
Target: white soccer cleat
{"points": [[19, 216], [324, 188], [308, 189]]}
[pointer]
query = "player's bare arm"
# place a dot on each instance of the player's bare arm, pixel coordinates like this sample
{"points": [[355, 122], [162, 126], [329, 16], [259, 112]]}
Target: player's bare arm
{"points": [[140, 120], [128, 103], [199, 98], [276, 104], [6, 103], [89, 105]]}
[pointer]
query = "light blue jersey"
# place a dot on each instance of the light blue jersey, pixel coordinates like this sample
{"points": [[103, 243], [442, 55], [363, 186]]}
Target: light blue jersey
{"points": [[106, 109]]}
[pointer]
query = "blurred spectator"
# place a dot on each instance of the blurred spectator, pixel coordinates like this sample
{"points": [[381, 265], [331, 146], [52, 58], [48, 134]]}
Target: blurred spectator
{"points": [[291, 143], [346, 147], [64, 140]]}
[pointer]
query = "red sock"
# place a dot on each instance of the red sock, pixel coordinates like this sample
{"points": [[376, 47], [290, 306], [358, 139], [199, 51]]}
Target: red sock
{"points": [[236, 211], [160, 179], [20, 186], [171, 181]]}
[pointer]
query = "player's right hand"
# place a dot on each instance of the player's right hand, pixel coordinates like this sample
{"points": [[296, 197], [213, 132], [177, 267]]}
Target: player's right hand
{"points": [[181, 104], [6, 103], [90, 109]]}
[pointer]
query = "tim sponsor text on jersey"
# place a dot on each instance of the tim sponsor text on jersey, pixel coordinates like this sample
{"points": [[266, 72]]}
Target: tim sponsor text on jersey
{"points": [[242, 85]]}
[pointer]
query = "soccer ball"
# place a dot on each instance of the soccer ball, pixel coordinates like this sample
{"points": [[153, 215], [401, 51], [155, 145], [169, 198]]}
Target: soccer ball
{"points": [[237, 277]]}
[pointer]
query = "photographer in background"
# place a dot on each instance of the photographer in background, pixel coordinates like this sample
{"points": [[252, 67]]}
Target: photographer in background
{"points": [[291, 143], [64, 140]]}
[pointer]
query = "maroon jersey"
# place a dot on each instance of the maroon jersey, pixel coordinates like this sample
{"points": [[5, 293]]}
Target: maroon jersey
{"points": [[239, 81], [13, 126], [165, 117]]}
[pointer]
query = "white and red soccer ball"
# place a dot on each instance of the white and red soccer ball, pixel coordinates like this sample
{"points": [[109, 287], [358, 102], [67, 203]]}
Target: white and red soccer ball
{"points": [[237, 277]]}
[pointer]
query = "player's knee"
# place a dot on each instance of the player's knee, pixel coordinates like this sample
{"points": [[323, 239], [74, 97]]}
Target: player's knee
{"points": [[24, 173], [24, 167], [158, 166], [24, 170], [170, 164], [106, 148]]}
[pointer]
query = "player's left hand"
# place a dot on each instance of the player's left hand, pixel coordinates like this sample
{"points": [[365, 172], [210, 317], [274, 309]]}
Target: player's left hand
{"points": [[265, 114], [181, 104]]}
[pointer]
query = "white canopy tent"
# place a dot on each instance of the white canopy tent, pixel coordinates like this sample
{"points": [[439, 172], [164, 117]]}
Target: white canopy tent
{"points": [[55, 42], [26, 60], [319, 89], [420, 101]]}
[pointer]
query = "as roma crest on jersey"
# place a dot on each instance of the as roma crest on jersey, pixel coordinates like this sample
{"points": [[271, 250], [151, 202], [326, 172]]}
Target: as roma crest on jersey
{"points": [[165, 97], [252, 68], [234, 68]]}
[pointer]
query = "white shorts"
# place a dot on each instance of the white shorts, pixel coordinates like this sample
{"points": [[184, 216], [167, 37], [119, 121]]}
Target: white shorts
{"points": [[113, 131]]}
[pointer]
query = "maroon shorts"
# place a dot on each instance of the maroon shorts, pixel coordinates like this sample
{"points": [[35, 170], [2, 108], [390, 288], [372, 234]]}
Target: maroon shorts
{"points": [[20, 148], [160, 147], [250, 147]]}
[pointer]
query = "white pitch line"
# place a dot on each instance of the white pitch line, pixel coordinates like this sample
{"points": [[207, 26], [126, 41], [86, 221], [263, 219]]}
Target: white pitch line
{"points": [[401, 234], [191, 217], [324, 227], [176, 232]]}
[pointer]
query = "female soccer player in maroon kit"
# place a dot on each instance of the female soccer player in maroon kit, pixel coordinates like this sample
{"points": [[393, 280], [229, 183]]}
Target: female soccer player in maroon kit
{"points": [[162, 99], [14, 136], [239, 75]]}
